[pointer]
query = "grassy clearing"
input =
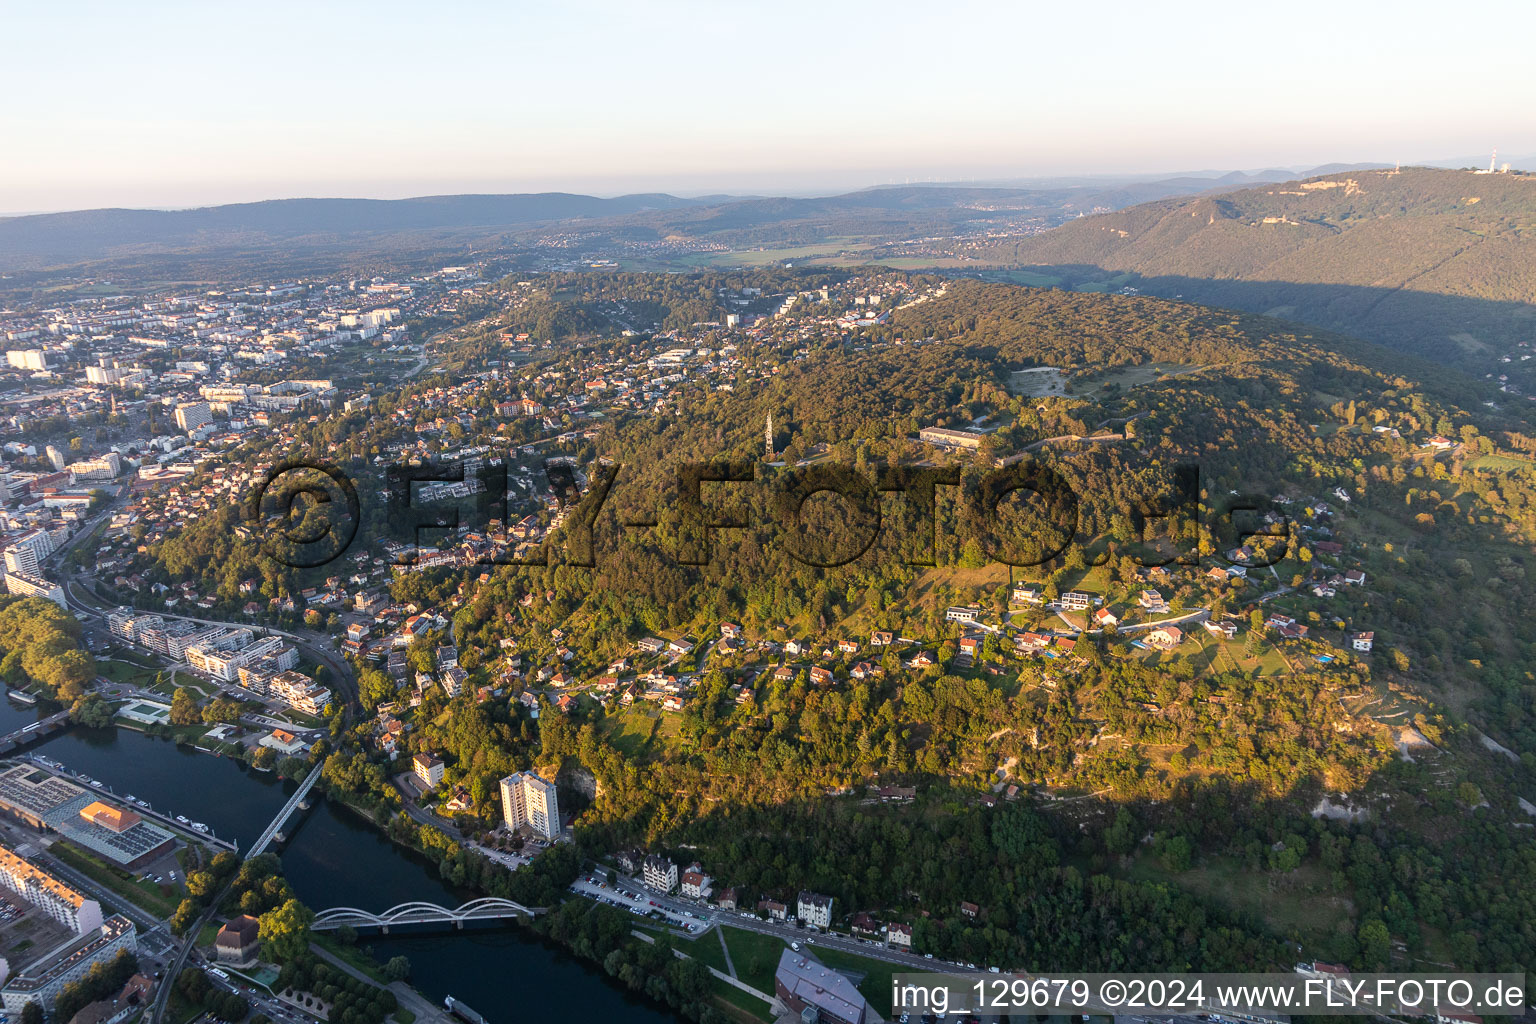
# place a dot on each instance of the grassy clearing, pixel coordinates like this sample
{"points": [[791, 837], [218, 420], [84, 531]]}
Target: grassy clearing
{"points": [[353, 957], [1128, 377], [1030, 277], [1300, 903], [739, 1005], [157, 899], [1501, 463], [126, 674], [705, 949], [631, 730], [1232, 656], [758, 257], [904, 262], [755, 955]]}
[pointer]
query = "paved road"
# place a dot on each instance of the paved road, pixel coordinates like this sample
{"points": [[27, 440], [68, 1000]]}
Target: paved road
{"points": [[424, 1009], [1198, 615], [87, 603], [141, 918], [705, 918], [173, 970]]}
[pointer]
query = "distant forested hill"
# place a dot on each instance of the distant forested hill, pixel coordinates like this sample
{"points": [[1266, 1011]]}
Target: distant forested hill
{"points": [[1439, 263], [273, 236], [96, 234]]}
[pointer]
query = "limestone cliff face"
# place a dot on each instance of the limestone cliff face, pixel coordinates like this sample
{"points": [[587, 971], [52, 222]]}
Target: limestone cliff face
{"points": [[581, 780]]}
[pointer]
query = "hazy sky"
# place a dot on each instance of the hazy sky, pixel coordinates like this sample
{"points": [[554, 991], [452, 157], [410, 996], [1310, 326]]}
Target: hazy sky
{"points": [[181, 104]]}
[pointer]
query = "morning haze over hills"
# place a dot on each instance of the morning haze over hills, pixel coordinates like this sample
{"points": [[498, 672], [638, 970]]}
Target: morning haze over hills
{"points": [[1441, 263], [788, 517], [39, 240], [705, 766], [1434, 262]]}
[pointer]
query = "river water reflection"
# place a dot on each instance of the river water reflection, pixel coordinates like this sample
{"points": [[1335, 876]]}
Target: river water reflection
{"points": [[336, 858]]}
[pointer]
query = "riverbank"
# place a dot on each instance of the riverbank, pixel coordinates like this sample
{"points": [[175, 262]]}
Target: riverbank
{"points": [[338, 858]]}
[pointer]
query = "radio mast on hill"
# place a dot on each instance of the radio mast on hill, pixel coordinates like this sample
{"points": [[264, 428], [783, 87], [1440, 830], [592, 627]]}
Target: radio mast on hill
{"points": [[768, 437]]}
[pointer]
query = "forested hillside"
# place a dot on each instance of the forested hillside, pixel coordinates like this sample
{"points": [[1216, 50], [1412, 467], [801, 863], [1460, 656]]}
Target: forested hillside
{"points": [[1225, 749], [1436, 262]]}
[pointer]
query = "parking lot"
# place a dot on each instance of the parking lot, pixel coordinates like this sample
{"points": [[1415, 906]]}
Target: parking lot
{"points": [[637, 902]]}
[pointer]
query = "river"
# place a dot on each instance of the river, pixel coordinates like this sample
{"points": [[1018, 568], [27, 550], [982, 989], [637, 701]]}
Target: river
{"points": [[336, 858]]}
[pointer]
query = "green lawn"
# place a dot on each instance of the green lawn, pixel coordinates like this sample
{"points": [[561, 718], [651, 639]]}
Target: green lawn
{"points": [[758, 257], [352, 955], [1300, 902], [739, 1004], [764, 950], [146, 895], [1501, 463], [128, 674], [1030, 277], [705, 949], [630, 730], [189, 733], [755, 955], [1232, 656]]}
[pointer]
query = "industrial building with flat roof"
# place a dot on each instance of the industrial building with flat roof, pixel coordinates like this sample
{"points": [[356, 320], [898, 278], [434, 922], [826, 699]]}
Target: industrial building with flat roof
{"points": [[46, 801]]}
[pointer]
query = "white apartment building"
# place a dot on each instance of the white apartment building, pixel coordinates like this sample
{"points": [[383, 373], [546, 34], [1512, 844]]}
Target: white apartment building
{"points": [[527, 799], [223, 663], [26, 551], [659, 873], [26, 358], [175, 641], [41, 980], [104, 467], [26, 585], [300, 692], [106, 376], [53, 897], [814, 909], [128, 624], [429, 769], [696, 884], [192, 415]]}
